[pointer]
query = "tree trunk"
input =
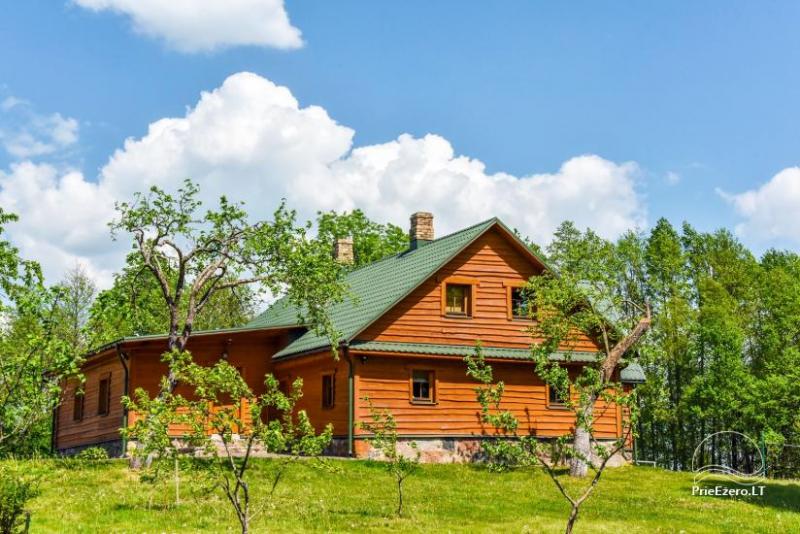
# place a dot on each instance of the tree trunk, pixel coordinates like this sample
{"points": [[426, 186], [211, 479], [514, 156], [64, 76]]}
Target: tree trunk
{"points": [[573, 516], [399, 496], [582, 444]]}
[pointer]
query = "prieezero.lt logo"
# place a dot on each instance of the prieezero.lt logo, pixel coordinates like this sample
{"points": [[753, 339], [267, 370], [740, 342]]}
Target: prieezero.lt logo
{"points": [[750, 475]]}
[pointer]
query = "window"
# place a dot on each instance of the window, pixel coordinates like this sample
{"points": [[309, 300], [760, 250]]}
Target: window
{"points": [[422, 386], [328, 391], [77, 406], [104, 395], [457, 299], [519, 300], [553, 397]]}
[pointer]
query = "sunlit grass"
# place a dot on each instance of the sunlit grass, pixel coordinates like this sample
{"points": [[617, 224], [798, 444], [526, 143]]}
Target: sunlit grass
{"points": [[359, 496]]}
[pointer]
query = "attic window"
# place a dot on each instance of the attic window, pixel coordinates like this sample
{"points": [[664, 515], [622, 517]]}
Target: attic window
{"points": [[519, 305], [458, 299]]}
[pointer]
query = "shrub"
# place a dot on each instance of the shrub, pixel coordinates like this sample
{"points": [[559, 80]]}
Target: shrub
{"points": [[92, 454], [16, 490]]}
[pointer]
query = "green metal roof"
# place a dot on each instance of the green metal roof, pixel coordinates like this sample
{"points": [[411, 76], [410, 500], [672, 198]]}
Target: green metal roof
{"points": [[375, 288], [632, 374], [464, 350]]}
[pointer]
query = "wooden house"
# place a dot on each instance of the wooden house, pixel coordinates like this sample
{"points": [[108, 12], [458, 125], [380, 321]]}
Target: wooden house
{"points": [[413, 318]]}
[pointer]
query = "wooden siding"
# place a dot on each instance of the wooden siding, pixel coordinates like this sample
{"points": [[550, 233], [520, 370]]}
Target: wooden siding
{"points": [[248, 352], [311, 369], [455, 411], [93, 428], [492, 262]]}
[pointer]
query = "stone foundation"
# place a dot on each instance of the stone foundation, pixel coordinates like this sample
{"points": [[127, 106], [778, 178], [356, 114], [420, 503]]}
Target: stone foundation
{"points": [[438, 450], [457, 450], [113, 448]]}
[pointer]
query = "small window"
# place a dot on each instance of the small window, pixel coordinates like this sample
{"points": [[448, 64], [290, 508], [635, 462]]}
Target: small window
{"points": [[554, 398], [328, 391], [422, 386], [520, 304], [77, 406], [457, 299], [104, 395]]}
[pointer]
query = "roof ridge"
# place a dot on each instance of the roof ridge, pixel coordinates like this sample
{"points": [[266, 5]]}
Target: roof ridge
{"points": [[406, 252]]}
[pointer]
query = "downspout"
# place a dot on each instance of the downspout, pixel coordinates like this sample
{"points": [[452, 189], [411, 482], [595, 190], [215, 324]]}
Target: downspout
{"points": [[123, 359], [54, 430], [350, 396]]}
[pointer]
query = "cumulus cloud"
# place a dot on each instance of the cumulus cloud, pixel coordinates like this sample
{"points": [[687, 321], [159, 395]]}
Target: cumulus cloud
{"points": [[24, 133], [205, 25], [770, 212], [62, 220], [251, 140]]}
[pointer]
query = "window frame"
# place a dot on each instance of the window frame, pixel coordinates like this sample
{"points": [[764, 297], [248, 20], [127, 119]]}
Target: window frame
{"points": [[556, 405], [433, 386], [104, 378], [78, 400], [473, 284], [510, 286], [332, 404]]}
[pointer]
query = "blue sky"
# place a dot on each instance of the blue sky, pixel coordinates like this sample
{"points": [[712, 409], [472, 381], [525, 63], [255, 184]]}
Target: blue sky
{"points": [[702, 96]]}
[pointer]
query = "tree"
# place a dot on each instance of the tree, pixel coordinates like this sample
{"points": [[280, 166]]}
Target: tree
{"points": [[371, 241], [34, 360], [510, 450], [383, 427], [591, 294], [221, 250], [134, 306], [224, 407], [77, 292]]}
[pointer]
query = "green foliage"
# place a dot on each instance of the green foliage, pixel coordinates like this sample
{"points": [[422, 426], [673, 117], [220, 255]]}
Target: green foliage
{"points": [[383, 429], [227, 422], [509, 450], [16, 490], [193, 255], [92, 454], [371, 241], [34, 358]]}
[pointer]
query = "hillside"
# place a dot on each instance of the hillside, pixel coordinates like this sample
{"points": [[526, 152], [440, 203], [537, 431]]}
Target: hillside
{"points": [[358, 496]]}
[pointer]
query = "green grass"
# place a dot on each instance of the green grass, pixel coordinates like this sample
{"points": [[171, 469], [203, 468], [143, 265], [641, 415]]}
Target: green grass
{"points": [[440, 498]]}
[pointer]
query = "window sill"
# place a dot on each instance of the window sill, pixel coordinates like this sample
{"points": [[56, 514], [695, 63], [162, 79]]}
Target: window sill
{"points": [[422, 402], [456, 316], [557, 407]]}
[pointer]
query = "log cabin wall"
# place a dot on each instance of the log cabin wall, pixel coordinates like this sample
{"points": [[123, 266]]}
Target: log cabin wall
{"points": [[250, 353], [455, 411], [494, 264], [312, 369], [92, 427]]}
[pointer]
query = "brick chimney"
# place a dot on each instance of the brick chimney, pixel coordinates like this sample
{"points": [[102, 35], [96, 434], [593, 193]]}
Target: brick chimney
{"points": [[343, 251], [421, 232]]}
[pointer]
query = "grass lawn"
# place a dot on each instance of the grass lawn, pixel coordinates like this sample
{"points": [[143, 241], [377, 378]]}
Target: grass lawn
{"points": [[107, 497]]}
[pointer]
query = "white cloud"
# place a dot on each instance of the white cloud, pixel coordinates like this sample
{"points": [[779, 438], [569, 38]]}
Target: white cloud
{"points": [[205, 25], [24, 133], [771, 211], [672, 178], [251, 140], [62, 220], [10, 102]]}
